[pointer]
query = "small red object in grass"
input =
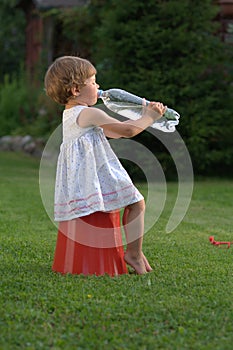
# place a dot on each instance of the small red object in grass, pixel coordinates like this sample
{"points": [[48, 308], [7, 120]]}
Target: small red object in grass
{"points": [[218, 243]]}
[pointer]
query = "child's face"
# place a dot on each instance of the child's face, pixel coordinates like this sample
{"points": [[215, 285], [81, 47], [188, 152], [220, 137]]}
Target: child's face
{"points": [[88, 93]]}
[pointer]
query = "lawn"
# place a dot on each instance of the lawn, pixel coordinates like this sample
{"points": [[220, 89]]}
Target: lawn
{"points": [[185, 303]]}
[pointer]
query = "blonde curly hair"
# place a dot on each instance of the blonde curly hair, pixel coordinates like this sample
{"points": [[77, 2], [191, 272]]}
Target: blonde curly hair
{"points": [[63, 74]]}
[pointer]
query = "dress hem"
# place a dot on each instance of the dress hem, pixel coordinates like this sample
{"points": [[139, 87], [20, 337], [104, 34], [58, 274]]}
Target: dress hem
{"points": [[75, 216]]}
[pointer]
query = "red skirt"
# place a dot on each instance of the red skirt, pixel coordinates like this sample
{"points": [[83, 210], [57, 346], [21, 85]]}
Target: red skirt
{"points": [[90, 245]]}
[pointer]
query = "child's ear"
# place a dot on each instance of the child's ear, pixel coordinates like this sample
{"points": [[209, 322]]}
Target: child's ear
{"points": [[75, 91]]}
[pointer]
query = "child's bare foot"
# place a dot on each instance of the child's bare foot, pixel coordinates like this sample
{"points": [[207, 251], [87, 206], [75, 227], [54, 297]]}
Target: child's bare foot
{"points": [[136, 263], [147, 265]]}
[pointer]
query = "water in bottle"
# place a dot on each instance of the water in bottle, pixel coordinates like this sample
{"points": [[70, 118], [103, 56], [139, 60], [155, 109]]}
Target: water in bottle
{"points": [[130, 106]]}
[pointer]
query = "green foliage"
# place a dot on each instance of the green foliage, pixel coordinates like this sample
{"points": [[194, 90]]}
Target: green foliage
{"points": [[167, 50], [25, 109], [185, 303], [12, 37], [48, 116], [77, 24], [15, 105]]}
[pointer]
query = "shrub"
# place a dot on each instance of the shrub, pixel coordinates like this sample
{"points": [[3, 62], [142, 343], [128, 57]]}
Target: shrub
{"points": [[25, 109], [164, 51]]}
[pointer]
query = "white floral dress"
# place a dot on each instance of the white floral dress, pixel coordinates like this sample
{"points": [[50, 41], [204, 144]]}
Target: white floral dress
{"points": [[89, 175]]}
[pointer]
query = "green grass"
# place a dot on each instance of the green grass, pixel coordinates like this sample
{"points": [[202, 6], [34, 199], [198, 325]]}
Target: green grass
{"points": [[185, 303]]}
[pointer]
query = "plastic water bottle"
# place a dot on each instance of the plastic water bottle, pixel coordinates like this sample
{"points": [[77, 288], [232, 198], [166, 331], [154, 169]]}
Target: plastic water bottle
{"points": [[131, 106]]}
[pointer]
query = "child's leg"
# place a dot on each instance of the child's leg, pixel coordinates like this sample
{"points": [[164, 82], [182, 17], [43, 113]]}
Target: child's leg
{"points": [[133, 221]]}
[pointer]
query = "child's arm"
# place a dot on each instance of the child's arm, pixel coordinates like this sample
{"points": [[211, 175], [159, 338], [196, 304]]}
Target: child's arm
{"points": [[114, 128]]}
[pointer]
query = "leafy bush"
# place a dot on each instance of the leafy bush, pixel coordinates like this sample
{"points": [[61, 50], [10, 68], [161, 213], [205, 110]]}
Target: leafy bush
{"points": [[12, 37], [25, 109], [16, 104], [164, 51]]}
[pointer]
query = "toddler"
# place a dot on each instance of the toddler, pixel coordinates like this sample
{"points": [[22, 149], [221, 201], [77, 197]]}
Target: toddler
{"points": [[90, 177]]}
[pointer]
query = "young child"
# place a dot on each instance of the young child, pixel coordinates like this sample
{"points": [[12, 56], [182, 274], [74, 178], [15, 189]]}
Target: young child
{"points": [[90, 177]]}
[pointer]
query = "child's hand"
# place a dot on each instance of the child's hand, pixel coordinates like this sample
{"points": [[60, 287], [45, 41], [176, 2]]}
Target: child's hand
{"points": [[155, 110]]}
